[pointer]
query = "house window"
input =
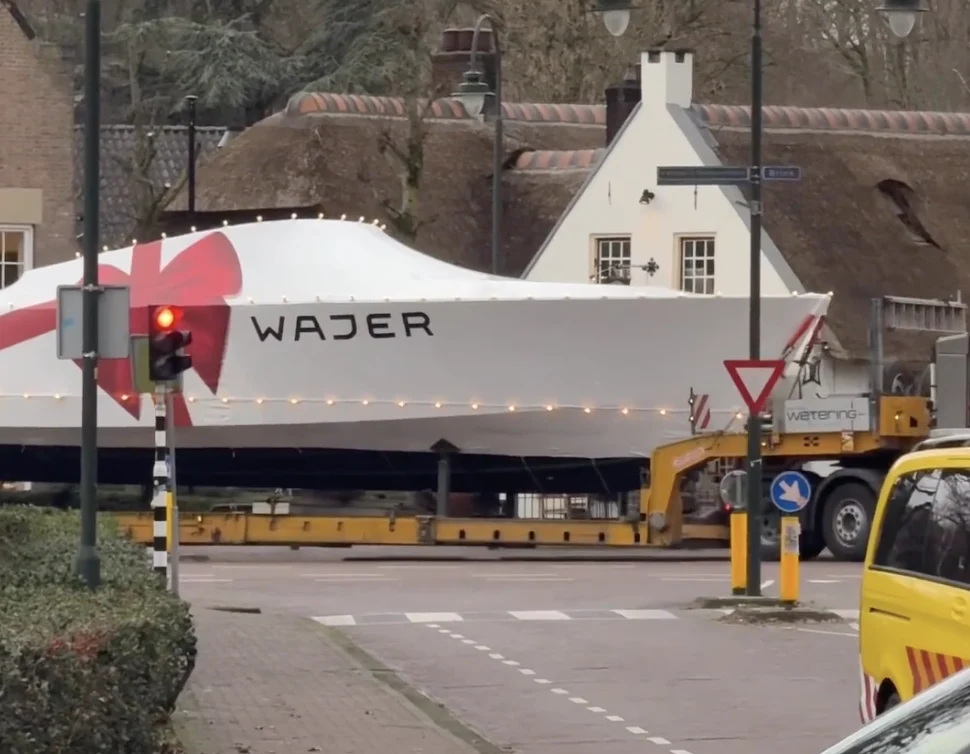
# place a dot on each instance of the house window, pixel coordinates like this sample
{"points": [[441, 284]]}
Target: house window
{"points": [[612, 259], [16, 253], [697, 265]]}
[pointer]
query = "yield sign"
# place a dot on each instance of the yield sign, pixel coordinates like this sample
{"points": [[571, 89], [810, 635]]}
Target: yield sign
{"points": [[755, 379]]}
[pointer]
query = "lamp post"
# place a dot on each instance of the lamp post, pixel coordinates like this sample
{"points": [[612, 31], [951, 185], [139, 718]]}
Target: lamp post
{"points": [[614, 23], [472, 93], [901, 15], [88, 562], [615, 15], [191, 100]]}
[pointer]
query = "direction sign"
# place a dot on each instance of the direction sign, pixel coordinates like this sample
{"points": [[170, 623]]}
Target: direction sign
{"points": [[755, 379], [791, 491], [702, 175], [733, 488], [781, 173]]}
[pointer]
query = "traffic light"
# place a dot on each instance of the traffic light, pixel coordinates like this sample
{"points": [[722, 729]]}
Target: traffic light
{"points": [[166, 357]]}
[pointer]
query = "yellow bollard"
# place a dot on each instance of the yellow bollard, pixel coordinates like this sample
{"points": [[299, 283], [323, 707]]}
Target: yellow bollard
{"points": [[169, 519], [739, 551], [788, 586]]}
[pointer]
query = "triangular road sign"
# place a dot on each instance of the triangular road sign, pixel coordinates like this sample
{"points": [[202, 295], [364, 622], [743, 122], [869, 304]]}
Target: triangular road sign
{"points": [[755, 379]]}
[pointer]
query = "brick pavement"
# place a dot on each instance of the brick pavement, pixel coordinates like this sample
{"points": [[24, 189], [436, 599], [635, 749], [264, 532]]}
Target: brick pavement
{"points": [[280, 684]]}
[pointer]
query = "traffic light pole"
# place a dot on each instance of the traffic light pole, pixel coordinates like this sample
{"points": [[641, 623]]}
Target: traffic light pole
{"points": [[173, 511], [160, 485]]}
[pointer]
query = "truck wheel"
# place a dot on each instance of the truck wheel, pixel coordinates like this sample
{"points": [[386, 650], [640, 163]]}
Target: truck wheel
{"points": [[810, 545], [847, 520], [892, 701]]}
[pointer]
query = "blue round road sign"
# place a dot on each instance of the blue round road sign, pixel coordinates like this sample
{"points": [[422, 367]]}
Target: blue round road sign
{"points": [[791, 491]]}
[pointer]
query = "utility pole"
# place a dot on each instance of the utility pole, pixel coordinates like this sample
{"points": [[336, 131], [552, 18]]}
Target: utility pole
{"points": [[754, 315], [88, 561]]}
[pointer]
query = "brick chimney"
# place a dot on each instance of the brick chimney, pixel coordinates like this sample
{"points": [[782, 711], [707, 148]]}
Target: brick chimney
{"points": [[621, 99], [453, 58]]}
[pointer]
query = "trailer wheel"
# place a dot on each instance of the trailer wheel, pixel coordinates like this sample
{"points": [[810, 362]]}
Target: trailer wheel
{"points": [[847, 520]]}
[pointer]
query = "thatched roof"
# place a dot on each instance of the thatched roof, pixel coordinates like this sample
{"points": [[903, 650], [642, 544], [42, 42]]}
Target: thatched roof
{"points": [[324, 153], [840, 229]]}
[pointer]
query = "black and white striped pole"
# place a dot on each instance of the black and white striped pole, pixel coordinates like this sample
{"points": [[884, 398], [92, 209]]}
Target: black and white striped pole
{"points": [[160, 486], [166, 362]]}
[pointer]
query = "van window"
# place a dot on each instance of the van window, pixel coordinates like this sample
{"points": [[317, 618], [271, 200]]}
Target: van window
{"points": [[926, 527]]}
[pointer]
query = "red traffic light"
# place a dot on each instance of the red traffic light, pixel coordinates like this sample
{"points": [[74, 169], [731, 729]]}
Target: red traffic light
{"points": [[165, 318]]}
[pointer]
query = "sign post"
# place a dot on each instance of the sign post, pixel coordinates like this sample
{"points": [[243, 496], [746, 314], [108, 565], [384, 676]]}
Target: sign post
{"points": [[754, 379], [790, 492], [734, 494]]}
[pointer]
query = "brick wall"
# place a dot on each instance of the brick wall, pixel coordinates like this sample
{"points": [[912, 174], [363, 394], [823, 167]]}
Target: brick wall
{"points": [[37, 142]]}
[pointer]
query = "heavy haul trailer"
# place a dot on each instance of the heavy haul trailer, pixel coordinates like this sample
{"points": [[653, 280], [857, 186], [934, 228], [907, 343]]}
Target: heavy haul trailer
{"points": [[837, 515], [658, 521]]}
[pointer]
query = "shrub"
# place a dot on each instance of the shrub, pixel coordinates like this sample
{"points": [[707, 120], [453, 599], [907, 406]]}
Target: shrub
{"points": [[84, 672]]}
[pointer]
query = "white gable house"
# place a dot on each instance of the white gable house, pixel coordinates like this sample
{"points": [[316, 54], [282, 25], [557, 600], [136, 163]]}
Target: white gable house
{"points": [[845, 228]]}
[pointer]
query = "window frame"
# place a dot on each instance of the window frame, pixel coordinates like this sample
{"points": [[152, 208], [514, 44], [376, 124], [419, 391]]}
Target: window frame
{"points": [[709, 241], [888, 515], [598, 243], [27, 262]]}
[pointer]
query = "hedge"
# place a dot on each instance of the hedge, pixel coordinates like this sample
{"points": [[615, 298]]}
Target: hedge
{"points": [[84, 672]]}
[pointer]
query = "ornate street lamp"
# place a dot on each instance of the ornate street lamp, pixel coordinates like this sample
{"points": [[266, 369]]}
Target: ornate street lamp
{"points": [[615, 14], [901, 15], [472, 92]]}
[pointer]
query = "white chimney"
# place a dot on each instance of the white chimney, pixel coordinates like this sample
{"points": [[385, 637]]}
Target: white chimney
{"points": [[667, 77]]}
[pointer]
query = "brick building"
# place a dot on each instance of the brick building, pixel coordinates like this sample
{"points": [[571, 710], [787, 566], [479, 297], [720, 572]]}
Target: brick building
{"points": [[36, 150]]}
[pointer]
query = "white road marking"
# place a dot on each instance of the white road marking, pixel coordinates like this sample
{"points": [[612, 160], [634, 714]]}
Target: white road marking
{"points": [[538, 615], [444, 631], [336, 620], [823, 581], [535, 579], [483, 648], [766, 584], [847, 614], [854, 626], [467, 641], [433, 617], [827, 633], [457, 636], [432, 625], [634, 729], [526, 575], [645, 614]]}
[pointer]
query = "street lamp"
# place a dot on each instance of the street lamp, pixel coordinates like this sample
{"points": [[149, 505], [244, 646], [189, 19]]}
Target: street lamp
{"points": [[616, 15], [472, 93], [901, 15], [754, 462]]}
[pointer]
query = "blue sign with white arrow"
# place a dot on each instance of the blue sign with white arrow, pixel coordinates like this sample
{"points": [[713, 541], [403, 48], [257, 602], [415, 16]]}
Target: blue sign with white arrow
{"points": [[791, 491]]}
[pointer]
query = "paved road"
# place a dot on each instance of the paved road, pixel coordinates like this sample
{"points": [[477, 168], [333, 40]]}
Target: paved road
{"points": [[544, 657]]}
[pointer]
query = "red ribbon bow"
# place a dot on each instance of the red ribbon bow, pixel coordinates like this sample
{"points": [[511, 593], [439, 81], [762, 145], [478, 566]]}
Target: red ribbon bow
{"points": [[199, 280]]}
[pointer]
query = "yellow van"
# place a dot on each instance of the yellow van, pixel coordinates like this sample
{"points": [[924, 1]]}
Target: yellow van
{"points": [[914, 617]]}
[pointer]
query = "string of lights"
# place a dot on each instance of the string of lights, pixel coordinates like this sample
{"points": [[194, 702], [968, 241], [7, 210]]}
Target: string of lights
{"points": [[473, 405]]}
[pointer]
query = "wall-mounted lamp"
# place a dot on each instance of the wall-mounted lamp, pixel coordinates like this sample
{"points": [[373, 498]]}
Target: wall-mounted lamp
{"points": [[647, 196]]}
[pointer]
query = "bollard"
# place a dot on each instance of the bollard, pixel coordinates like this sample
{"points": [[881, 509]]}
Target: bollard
{"points": [[788, 586], [739, 551]]}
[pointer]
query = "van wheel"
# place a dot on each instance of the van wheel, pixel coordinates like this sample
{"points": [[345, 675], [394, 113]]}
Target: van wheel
{"points": [[847, 520], [891, 702]]}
